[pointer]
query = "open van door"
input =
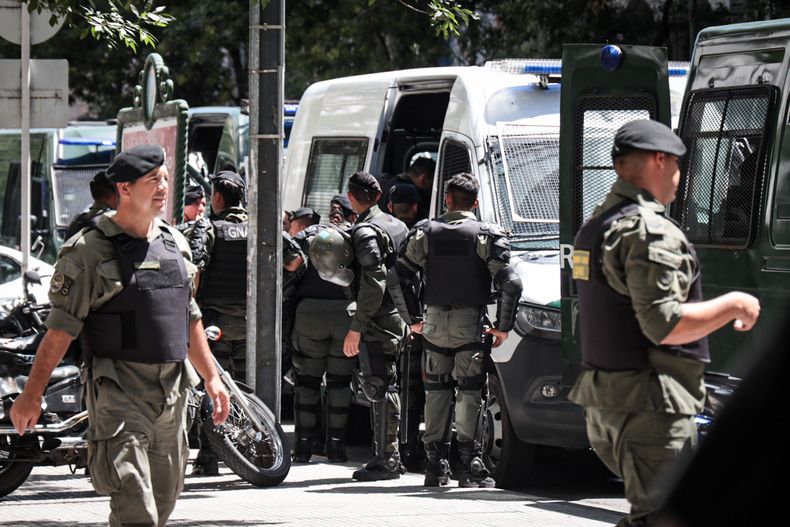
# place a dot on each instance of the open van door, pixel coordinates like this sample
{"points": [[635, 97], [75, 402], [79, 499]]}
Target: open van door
{"points": [[603, 87]]}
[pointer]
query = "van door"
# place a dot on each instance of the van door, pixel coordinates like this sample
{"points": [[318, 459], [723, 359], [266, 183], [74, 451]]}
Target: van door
{"points": [[603, 87]]}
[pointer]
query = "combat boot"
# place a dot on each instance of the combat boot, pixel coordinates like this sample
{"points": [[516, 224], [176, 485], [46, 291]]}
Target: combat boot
{"points": [[303, 450], [335, 449], [206, 463], [473, 471], [380, 468], [437, 469]]}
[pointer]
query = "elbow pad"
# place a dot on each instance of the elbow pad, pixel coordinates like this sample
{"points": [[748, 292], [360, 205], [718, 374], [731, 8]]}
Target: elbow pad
{"points": [[508, 286], [366, 248]]}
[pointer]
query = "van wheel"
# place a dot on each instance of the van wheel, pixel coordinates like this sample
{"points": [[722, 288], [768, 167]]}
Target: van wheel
{"points": [[509, 459]]}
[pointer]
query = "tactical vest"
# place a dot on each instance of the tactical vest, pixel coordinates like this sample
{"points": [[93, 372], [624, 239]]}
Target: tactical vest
{"points": [[313, 286], [454, 272], [226, 276], [148, 321], [610, 334], [395, 230]]}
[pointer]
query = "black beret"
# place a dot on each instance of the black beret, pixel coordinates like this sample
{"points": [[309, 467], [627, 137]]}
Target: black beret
{"points": [[404, 193], [647, 135], [365, 181], [306, 212], [135, 162], [344, 203], [193, 193], [228, 175]]}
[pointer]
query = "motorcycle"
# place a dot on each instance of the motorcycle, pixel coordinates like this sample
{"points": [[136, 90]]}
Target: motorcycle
{"points": [[251, 442]]}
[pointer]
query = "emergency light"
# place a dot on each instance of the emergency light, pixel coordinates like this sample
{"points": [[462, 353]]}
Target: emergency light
{"points": [[86, 141]]}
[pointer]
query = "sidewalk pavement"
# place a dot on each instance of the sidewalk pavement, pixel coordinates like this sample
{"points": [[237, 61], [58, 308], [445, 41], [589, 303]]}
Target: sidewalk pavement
{"points": [[318, 494]]}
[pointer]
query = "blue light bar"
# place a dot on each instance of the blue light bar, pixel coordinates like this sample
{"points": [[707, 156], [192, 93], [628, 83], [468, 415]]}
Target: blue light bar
{"points": [[678, 69], [86, 141], [527, 66], [610, 57], [290, 109]]}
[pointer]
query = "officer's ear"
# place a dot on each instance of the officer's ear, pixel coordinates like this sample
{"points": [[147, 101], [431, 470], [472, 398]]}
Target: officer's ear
{"points": [[476, 204]]}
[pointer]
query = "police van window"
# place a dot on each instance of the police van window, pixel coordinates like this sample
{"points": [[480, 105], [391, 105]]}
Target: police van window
{"points": [[331, 163], [524, 161], [455, 159], [597, 120], [721, 174]]}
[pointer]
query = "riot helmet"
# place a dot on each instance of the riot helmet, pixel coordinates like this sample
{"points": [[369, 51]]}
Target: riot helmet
{"points": [[331, 254]]}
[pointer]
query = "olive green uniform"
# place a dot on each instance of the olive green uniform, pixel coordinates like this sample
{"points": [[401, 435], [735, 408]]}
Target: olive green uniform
{"points": [[230, 315], [637, 421], [451, 327], [382, 330], [137, 448]]}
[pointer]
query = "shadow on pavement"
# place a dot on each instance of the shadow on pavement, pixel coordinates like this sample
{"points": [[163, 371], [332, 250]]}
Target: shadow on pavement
{"points": [[578, 510]]}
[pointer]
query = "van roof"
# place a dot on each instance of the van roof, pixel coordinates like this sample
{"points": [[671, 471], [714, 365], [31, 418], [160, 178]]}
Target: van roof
{"points": [[779, 27]]}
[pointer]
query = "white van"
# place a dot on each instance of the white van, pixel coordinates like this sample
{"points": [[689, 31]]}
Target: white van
{"points": [[499, 122]]}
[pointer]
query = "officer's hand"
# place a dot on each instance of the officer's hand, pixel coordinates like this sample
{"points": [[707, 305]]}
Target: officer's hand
{"points": [[749, 310], [351, 343], [25, 412], [417, 328], [499, 337], [219, 398]]}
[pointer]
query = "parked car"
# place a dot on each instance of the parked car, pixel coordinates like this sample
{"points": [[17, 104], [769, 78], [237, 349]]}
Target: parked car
{"points": [[11, 276]]}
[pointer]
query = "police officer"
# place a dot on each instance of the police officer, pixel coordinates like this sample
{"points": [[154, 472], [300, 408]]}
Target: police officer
{"points": [[301, 219], [420, 175], [223, 284], [104, 200], [321, 322], [197, 227], [642, 319], [376, 329], [404, 204], [125, 287], [222, 293], [451, 250], [341, 213]]}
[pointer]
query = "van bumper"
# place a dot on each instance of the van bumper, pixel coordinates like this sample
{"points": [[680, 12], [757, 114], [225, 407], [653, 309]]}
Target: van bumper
{"points": [[552, 421]]}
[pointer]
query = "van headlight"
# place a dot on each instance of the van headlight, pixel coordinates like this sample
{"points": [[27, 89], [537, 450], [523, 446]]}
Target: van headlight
{"points": [[538, 321]]}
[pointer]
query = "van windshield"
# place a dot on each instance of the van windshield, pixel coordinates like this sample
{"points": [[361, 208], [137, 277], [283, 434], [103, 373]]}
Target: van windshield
{"points": [[524, 162]]}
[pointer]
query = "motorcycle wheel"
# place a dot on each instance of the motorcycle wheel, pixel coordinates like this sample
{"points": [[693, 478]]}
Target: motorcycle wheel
{"points": [[260, 457], [12, 473]]}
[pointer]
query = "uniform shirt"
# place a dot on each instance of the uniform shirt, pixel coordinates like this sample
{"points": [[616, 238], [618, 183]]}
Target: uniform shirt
{"points": [[647, 258], [224, 306], [371, 287], [87, 276]]}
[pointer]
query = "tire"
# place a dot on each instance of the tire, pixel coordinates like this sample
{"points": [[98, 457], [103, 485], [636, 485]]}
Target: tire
{"points": [[259, 457], [509, 459], [12, 473]]}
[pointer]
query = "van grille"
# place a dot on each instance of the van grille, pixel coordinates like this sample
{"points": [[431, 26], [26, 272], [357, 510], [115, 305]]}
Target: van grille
{"points": [[70, 189], [525, 164]]}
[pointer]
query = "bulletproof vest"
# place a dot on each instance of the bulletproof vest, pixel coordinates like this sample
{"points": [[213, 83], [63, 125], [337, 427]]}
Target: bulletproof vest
{"points": [[313, 286], [454, 272], [611, 338], [226, 275], [148, 321], [397, 232]]}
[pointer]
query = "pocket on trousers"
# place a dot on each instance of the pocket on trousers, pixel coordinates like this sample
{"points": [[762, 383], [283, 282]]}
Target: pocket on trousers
{"points": [[101, 463]]}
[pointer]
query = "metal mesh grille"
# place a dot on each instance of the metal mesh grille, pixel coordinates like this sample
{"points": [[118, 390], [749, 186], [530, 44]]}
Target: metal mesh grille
{"points": [[597, 119], [723, 132], [332, 162], [72, 191], [455, 160], [525, 164]]}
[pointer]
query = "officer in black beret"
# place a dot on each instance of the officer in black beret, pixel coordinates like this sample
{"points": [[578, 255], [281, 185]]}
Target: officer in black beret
{"points": [[301, 219], [104, 200], [404, 203], [194, 202], [642, 319], [197, 227], [125, 288], [340, 211]]}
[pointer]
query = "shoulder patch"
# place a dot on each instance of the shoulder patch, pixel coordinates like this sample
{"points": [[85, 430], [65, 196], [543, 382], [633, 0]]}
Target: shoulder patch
{"points": [[581, 264], [60, 283]]}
